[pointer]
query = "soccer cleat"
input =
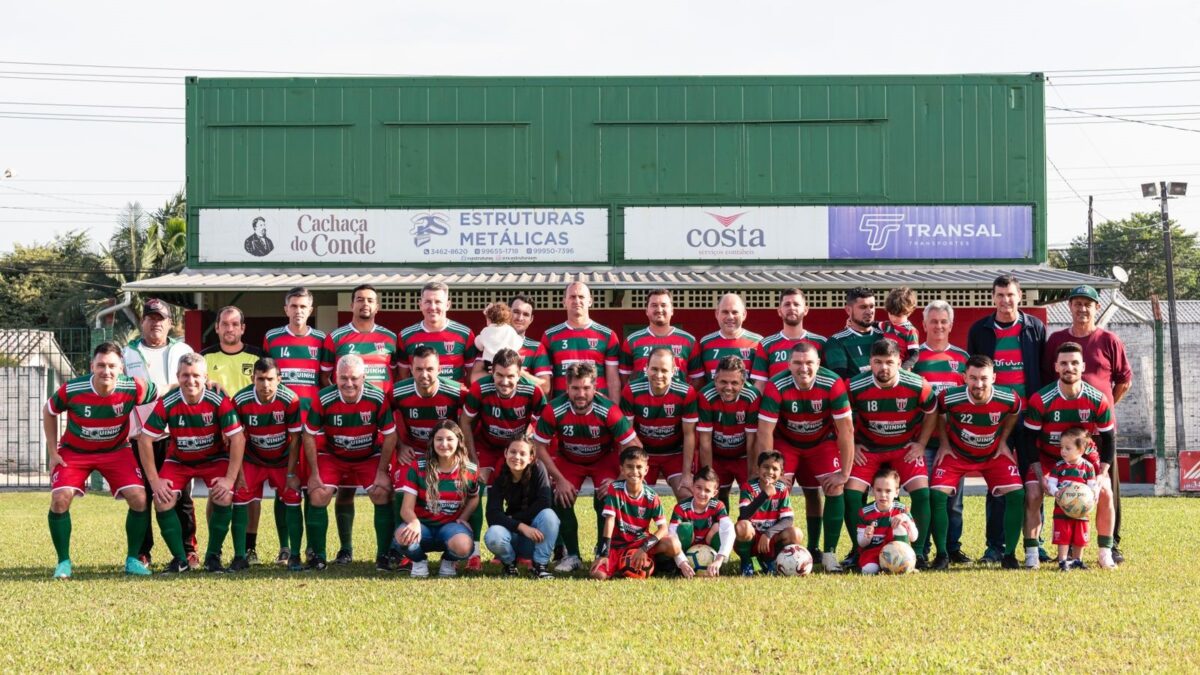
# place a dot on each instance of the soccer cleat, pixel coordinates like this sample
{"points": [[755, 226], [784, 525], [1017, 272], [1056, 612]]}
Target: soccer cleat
{"points": [[144, 558], [1077, 564], [475, 564], [850, 561], [830, 562], [400, 562], [294, 564], [193, 560], [1106, 559], [239, 564], [316, 563], [135, 568], [283, 557], [1043, 556], [63, 570], [447, 569], [1064, 565], [922, 563], [420, 569], [177, 566], [1010, 562], [343, 557], [509, 569], [252, 556], [768, 567], [1117, 556], [383, 563], [941, 562], [959, 558], [568, 564], [1032, 561], [991, 556], [212, 563], [541, 571], [747, 568]]}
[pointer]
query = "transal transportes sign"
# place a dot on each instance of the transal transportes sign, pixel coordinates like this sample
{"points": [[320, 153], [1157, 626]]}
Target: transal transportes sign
{"points": [[755, 233], [403, 236]]}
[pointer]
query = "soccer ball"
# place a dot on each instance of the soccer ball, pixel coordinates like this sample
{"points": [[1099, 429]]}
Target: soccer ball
{"points": [[626, 568], [1076, 500], [897, 557], [794, 560], [701, 556]]}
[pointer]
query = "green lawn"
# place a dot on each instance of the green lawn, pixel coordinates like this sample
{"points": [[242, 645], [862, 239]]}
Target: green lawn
{"points": [[1141, 617]]}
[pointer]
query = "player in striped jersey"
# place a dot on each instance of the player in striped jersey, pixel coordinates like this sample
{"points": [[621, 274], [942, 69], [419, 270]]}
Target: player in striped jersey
{"points": [[587, 427], [728, 421], [703, 519], [805, 415], [296, 348], [882, 521], [207, 443], [664, 412], [976, 421], [580, 340], [270, 414], [1069, 402], [630, 507], [98, 407], [522, 317], [351, 415], [1071, 534], [498, 408], [636, 349], [765, 520], [893, 422], [900, 303], [773, 353], [848, 352], [453, 342], [730, 340], [376, 346]]}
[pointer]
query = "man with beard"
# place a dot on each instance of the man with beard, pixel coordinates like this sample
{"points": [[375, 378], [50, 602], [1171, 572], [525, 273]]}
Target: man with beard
{"points": [[522, 318], [635, 352], [848, 352]]}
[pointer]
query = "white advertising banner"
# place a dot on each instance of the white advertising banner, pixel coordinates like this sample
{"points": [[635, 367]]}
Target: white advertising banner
{"points": [[403, 236], [716, 233]]}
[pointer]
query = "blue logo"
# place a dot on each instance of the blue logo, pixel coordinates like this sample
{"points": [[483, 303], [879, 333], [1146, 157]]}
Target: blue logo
{"points": [[427, 225], [879, 228]]}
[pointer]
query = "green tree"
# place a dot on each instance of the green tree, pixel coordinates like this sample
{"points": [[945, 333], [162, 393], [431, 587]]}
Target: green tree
{"points": [[50, 285], [1136, 244]]}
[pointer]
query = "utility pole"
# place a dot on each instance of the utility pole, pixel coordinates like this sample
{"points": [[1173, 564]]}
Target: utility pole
{"points": [[1173, 320], [1091, 241]]}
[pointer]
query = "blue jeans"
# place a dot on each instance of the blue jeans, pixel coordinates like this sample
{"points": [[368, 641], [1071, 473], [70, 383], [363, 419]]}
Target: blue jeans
{"points": [[508, 546], [435, 539], [954, 534]]}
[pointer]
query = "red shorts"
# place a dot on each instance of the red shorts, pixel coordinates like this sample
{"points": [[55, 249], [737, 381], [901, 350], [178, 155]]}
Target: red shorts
{"points": [[337, 472], [999, 472], [489, 458], [666, 466], [1070, 532], [257, 476], [811, 464], [179, 475], [729, 470], [867, 556], [606, 468], [1048, 464], [118, 467], [757, 539], [909, 471]]}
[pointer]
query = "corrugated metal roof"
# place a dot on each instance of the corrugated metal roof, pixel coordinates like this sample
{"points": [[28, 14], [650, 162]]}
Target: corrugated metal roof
{"points": [[1128, 311], [1040, 277]]}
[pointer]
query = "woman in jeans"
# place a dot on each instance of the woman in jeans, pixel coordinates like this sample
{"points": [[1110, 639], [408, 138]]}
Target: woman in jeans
{"points": [[520, 520]]}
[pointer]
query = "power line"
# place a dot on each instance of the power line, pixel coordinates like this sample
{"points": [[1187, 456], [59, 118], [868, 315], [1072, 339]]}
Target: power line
{"points": [[1100, 70], [93, 105], [47, 118], [1121, 82], [124, 77], [64, 199], [1123, 119], [198, 70]]}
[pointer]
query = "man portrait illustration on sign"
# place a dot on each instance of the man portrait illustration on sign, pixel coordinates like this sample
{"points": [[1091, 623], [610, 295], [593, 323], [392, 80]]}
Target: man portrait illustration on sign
{"points": [[258, 244]]}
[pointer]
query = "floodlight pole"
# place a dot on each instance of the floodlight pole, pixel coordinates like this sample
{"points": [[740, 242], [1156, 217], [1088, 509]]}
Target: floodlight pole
{"points": [[1173, 320]]}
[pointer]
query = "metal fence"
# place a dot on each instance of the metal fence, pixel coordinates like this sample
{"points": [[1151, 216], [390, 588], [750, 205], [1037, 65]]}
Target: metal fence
{"points": [[33, 363]]}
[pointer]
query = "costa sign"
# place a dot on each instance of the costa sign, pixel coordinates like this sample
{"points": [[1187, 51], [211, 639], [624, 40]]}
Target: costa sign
{"points": [[720, 233]]}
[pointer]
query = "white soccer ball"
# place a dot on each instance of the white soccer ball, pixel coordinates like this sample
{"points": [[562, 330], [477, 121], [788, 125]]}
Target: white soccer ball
{"points": [[701, 556], [897, 557], [794, 560]]}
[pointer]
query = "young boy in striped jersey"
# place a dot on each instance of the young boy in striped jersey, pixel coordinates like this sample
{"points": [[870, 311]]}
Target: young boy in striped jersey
{"points": [[882, 521], [704, 520], [1071, 534], [630, 506], [900, 303], [765, 520]]}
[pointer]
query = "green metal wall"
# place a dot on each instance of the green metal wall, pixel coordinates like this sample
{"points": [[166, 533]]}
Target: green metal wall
{"points": [[617, 141]]}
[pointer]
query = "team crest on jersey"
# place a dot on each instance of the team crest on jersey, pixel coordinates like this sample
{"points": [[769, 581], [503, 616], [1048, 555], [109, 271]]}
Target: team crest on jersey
{"points": [[449, 347], [380, 346], [441, 411], [519, 411], [1084, 414], [277, 415], [312, 352], [746, 353], [669, 409], [641, 512], [901, 404], [118, 408], [817, 404], [207, 418], [594, 431], [677, 349], [740, 416], [994, 417], [593, 342]]}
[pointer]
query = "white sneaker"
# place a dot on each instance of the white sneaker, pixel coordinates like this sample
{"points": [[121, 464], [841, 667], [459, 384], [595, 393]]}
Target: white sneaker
{"points": [[447, 569], [1106, 559], [568, 564], [830, 562], [1031, 559], [420, 569]]}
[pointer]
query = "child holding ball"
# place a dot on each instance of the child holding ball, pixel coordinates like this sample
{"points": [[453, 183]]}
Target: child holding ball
{"points": [[883, 521], [1071, 534]]}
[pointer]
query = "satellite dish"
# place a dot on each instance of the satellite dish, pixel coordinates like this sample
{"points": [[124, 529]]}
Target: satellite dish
{"points": [[1120, 274]]}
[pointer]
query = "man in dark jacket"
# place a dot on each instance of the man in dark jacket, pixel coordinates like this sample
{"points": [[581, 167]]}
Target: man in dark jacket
{"points": [[1015, 341]]}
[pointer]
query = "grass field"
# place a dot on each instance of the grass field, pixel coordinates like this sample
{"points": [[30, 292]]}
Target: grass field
{"points": [[1141, 617]]}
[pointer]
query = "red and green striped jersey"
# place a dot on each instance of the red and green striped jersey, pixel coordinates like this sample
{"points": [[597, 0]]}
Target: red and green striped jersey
{"points": [[804, 417], [454, 489], [416, 415], [942, 368], [730, 422], [715, 346], [530, 351], [1080, 472], [702, 519], [268, 424], [632, 513], [1051, 413], [583, 437], [635, 351], [889, 418], [773, 354], [658, 420], [298, 358], [849, 351], [197, 430], [98, 423], [872, 515], [773, 510], [350, 427], [498, 420], [377, 348], [974, 428], [903, 334], [1010, 363], [563, 345], [454, 344]]}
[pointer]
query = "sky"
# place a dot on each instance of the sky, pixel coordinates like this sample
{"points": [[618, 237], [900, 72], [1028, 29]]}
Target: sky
{"points": [[64, 66]]}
